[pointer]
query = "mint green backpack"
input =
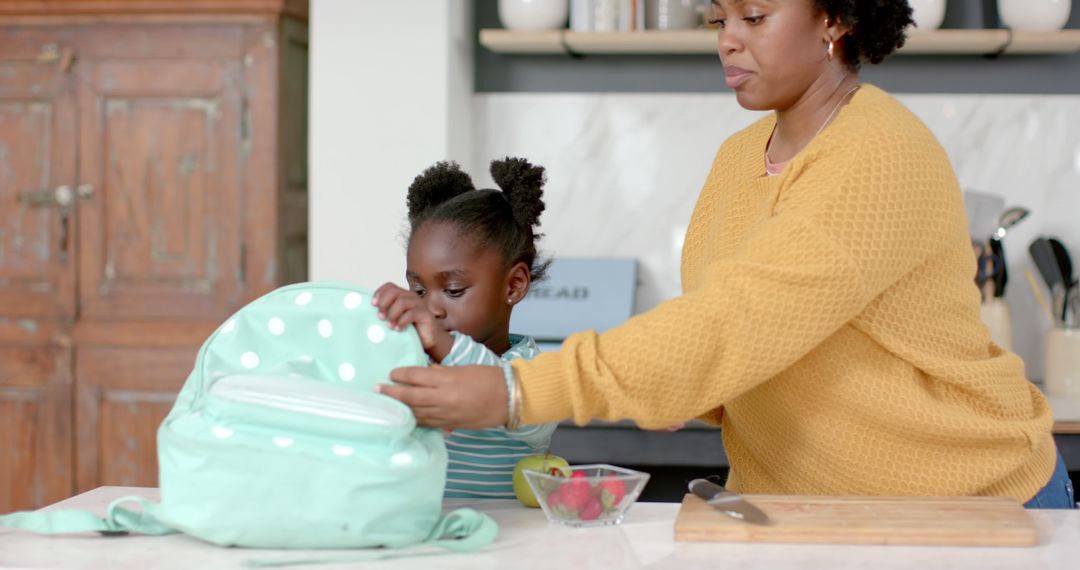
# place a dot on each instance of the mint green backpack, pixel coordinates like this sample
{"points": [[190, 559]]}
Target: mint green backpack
{"points": [[278, 439]]}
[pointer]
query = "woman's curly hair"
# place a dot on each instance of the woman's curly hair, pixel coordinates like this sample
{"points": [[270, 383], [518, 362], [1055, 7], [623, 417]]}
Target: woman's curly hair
{"points": [[878, 27], [505, 220]]}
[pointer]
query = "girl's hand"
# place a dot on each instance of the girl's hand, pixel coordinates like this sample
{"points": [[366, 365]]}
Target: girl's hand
{"points": [[466, 397], [401, 308]]}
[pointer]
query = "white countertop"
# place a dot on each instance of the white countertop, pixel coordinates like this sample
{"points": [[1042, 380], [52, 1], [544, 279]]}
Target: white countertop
{"points": [[526, 540]]}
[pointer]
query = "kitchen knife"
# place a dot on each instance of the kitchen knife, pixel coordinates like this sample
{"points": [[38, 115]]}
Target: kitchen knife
{"points": [[727, 502]]}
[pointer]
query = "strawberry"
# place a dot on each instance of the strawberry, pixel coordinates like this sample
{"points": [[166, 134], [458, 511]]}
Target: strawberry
{"points": [[612, 490], [554, 499], [575, 492], [592, 510]]}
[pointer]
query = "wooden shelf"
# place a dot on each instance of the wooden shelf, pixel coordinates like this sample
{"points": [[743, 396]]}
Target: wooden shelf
{"points": [[1059, 42], [937, 42], [955, 42], [506, 41]]}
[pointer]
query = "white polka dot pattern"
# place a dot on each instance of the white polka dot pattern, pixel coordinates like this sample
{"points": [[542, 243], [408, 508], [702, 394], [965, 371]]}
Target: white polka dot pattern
{"points": [[326, 328], [287, 382], [276, 326], [249, 360]]}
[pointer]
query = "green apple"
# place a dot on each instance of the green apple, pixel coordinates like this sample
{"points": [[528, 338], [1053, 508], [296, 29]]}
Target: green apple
{"points": [[547, 463]]}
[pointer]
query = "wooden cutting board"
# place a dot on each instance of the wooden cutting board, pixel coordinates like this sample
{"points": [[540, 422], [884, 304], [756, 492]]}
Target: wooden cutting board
{"points": [[956, 521]]}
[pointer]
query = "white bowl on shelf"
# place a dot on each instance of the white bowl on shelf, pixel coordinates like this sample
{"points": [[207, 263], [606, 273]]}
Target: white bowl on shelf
{"points": [[1038, 15], [928, 14], [530, 15]]}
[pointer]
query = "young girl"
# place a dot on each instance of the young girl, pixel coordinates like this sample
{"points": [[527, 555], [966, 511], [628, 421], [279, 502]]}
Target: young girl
{"points": [[471, 257]]}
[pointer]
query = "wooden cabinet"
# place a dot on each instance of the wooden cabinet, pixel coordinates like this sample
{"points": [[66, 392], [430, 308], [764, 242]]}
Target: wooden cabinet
{"points": [[153, 179]]}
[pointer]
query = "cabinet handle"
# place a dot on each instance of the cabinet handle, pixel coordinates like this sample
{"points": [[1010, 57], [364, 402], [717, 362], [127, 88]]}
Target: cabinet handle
{"points": [[63, 198], [64, 57]]}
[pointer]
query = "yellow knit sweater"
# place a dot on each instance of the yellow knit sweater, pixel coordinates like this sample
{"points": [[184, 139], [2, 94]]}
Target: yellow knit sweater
{"points": [[831, 312]]}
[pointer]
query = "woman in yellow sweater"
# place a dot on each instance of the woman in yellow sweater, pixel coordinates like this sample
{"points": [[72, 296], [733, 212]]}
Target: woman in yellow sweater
{"points": [[829, 321]]}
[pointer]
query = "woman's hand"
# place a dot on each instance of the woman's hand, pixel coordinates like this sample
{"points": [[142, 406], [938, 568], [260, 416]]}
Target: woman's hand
{"points": [[401, 308], [467, 397]]}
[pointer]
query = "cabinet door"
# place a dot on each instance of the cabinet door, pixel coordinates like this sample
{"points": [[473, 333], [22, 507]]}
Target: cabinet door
{"points": [[37, 303], [124, 394], [37, 156], [160, 142], [161, 248], [35, 419]]}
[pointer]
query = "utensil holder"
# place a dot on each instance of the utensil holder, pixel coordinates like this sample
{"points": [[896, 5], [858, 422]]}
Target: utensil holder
{"points": [[1061, 375], [997, 318]]}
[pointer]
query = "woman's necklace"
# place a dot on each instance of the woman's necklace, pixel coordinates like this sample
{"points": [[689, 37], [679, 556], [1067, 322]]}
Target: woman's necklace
{"points": [[823, 125]]}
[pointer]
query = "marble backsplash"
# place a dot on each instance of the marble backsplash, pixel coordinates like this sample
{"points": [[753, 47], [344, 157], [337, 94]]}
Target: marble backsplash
{"points": [[624, 171]]}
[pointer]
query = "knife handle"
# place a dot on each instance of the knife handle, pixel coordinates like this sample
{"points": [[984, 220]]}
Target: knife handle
{"points": [[1001, 276]]}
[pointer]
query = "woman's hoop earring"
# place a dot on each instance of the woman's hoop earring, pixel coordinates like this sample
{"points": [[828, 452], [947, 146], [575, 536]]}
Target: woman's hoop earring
{"points": [[829, 51]]}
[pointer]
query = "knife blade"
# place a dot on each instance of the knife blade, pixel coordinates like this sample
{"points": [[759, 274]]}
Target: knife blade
{"points": [[728, 502]]}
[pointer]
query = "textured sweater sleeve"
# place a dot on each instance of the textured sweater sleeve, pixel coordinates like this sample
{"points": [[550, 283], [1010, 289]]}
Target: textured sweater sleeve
{"points": [[846, 228]]}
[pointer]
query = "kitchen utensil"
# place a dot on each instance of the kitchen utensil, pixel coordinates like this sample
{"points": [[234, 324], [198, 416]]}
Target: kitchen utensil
{"points": [[727, 502], [1001, 276], [1074, 305], [983, 211], [1061, 361], [997, 317], [1064, 263], [989, 267], [1042, 252], [1006, 220], [957, 521]]}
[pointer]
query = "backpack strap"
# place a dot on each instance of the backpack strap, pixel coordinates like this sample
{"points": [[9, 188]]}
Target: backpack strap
{"points": [[462, 530], [118, 520]]}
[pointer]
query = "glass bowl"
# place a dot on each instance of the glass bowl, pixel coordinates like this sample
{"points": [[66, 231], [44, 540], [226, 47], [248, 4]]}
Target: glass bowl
{"points": [[594, 495]]}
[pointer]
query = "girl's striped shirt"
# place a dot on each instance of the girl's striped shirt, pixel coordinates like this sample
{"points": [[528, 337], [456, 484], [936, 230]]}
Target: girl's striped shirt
{"points": [[482, 461]]}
